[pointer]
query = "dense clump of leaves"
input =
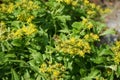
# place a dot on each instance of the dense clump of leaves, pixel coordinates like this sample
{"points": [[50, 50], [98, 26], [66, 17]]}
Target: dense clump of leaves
{"points": [[54, 40]]}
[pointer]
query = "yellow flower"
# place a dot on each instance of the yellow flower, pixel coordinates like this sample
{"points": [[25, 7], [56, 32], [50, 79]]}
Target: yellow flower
{"points": [[90, 12], [56, 73], [117, 58], [30, 19], [74, 46], [92, 5], [17, 4], [2, 23], [67, 1], [116, 51], [86, 2], [86, 37], [74, 3], [30, 3], [36, 7], [29, 29], [32, 29], [44, 65], [117, 43], [84, 21], [87, 48], [53, 70], [72, 40], [90, 25], [21, 16], [10, 8], [2, 37], [94, 36], [24, 1], [98, 7], [81, 53], [24, 28], [101, 11], [18, 33], [107, 10], [79, 43], [49, 69], [43, 70], [3, 8]]}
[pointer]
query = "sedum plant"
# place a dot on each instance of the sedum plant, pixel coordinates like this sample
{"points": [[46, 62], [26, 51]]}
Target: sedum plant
{"points": [[55, 40]]}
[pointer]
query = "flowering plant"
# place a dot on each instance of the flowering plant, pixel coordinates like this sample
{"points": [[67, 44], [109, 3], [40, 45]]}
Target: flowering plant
{"points": [[55, 40]]}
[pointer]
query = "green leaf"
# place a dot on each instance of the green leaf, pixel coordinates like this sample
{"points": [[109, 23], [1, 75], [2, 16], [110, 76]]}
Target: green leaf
{"points": [[109, 31], [18, 61], [17, 42], [2, 58], [14, 75], [112, 67], [38, 77], [37, 47], [118, 70], [65, 30], [10, 55], [112, 76], [98, 60], [15, 23], [77, 25], [82, 72], [7, 45], [105, 52], [34, 67], [27, 75], [63, 18], [92, 75], [99, 26], [37, 56], [3, 47]]}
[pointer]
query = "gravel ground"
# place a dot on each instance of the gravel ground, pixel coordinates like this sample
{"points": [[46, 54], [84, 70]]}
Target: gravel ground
{"points": [[112, 20]]}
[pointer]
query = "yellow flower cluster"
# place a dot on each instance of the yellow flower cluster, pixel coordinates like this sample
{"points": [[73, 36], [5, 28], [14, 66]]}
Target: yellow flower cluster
{"points": [[92, 5], [2, 24], [4, 33], [116, 51], [84, 21], [86, 2], [87, 23], [91, 12], [93, 9], [24, 17], [107, 10], [91, 37], [69, 2], [25, 30], [7, 8], [2, 30], [73, 46], [53, 71], [25, 4], [29, 19]]}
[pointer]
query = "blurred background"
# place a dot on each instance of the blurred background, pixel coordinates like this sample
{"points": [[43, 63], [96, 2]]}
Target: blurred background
{"points": [[112, 19]]}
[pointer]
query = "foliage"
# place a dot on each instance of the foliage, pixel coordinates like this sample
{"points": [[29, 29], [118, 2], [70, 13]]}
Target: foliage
{"points": [[55, 40]]}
